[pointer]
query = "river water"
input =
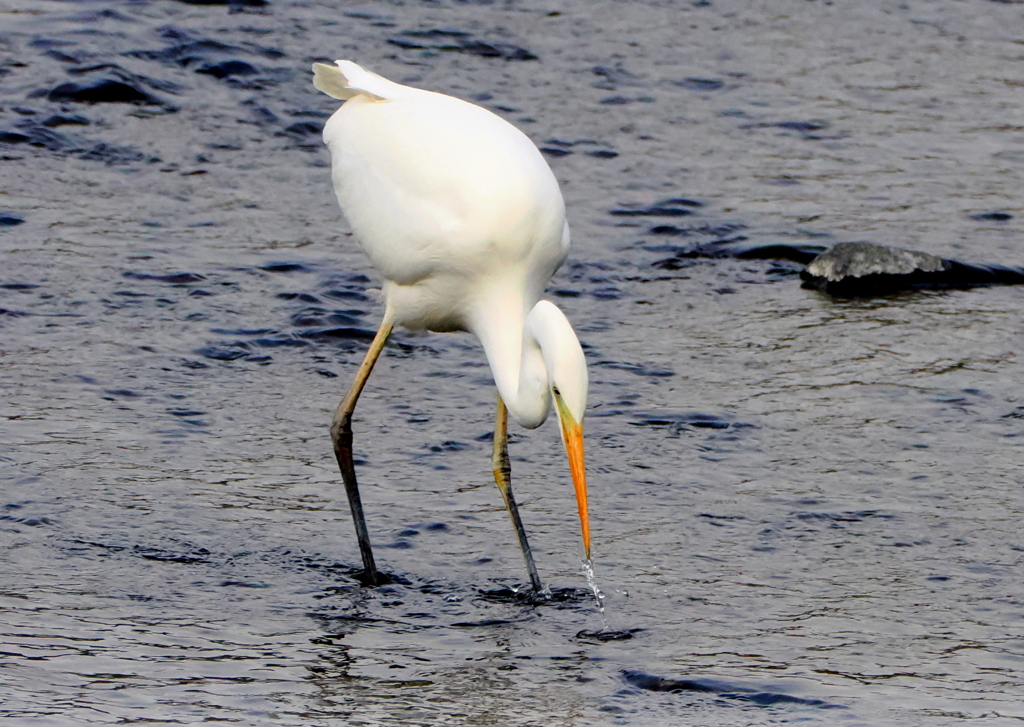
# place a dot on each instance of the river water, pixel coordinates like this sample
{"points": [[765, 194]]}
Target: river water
{"points": [[804, 509]]}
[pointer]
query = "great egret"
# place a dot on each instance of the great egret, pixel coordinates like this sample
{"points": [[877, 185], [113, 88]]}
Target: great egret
{"points": [[459, 212]]}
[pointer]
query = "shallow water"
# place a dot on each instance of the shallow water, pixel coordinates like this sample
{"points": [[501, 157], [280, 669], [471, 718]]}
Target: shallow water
{"points": [[803, 509]]}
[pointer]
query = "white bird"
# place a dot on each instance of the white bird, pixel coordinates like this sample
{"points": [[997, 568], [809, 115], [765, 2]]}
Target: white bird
{"points": [[461, 215]]}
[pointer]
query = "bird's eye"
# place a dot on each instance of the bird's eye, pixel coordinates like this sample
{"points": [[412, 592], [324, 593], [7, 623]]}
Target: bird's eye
{"points": [[555, 391]]}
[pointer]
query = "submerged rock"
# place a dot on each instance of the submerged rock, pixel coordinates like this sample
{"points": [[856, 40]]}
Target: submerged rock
{"points": [[847, 270], [864, 269], [860, 259]]}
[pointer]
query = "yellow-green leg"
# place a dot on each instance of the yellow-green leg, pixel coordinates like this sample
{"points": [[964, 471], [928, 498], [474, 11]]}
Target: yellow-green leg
{"points": [[503, 478], [341, 435]]}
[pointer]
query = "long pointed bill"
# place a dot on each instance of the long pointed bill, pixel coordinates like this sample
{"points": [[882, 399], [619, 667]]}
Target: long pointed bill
{"points": [[572, 436]]}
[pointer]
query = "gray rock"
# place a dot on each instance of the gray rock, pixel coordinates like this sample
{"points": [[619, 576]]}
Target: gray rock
{"points": [[858, 259], [864, 269]]}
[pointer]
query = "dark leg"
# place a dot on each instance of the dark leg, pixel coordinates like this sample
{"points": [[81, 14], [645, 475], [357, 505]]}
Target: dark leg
{"points": [[503, 478], [341, 435]]}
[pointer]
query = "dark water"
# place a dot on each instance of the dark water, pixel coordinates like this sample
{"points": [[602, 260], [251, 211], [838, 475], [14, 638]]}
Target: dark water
{"points": [[804, 510]]}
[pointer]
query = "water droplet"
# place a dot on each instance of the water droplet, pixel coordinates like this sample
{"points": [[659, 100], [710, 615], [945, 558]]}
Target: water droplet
{"points": [[588, 571]]}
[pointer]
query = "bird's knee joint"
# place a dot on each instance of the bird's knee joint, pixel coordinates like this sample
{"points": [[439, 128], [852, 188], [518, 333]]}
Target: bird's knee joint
{"points": [[340, 426]]}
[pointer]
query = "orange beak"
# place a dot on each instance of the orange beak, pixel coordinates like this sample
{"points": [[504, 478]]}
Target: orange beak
{"points": [[572, 436]]}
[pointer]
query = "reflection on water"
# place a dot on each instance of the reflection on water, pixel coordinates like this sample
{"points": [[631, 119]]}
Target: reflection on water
{"points": [[803, 509]]}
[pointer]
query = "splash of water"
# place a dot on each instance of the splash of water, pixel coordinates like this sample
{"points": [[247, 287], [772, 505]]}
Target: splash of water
{"points": [[588, 571]]}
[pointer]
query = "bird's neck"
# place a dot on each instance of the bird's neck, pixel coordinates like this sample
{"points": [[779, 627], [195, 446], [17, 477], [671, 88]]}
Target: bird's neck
{"points": [[515, 355]]}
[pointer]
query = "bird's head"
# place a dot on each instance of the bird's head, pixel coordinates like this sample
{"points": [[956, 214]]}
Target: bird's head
{"points": [[568, 381], [572, 436]]}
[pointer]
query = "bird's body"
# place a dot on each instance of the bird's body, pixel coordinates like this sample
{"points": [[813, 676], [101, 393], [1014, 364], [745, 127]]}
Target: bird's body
{"points": [[467, 199], [461, 215]]}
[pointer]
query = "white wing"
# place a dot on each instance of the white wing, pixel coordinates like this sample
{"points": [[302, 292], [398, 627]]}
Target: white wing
{"points": [[431, 182]]}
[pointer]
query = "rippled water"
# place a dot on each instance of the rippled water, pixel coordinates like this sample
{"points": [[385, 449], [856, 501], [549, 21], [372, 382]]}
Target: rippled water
{"points": [[803, 509]]}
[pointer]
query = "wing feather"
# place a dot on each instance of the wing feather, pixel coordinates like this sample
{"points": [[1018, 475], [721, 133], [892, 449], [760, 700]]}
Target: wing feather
{"points": [[347, 80]]}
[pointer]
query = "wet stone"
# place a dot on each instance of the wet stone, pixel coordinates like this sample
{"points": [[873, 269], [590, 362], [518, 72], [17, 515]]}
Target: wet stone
{"points": [[858, 259], [861, 269]]}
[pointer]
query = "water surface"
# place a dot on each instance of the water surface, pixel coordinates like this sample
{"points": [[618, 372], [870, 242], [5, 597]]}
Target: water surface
{"points": [[803, 509]]}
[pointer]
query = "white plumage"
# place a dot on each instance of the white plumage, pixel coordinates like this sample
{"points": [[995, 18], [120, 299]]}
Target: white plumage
{"points": [[461, 215]]}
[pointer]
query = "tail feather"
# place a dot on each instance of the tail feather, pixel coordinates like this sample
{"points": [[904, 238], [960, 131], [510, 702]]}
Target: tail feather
{"points": [[348, 79]]}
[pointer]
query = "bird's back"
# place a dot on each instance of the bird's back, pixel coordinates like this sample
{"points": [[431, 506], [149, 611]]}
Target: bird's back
{"points": [[441, 193]]}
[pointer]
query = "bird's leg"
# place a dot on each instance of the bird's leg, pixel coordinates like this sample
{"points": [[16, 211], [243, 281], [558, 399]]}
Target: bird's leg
{"points": [[341, 435], [503, 477]]}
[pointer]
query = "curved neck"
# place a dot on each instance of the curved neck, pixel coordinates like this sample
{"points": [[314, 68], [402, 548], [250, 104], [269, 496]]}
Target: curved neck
{"points": [[515, 357], [532, 353]]}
